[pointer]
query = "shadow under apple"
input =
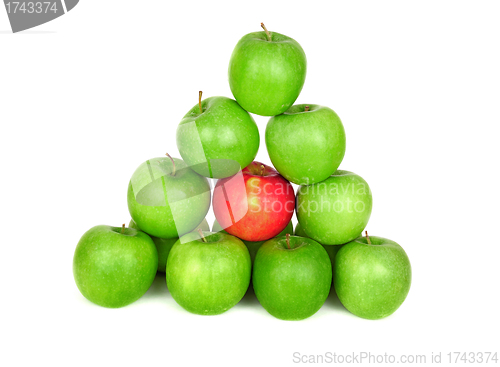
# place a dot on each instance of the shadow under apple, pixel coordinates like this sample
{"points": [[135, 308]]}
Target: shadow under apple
{"points": [[159, 287], [249, 299]]}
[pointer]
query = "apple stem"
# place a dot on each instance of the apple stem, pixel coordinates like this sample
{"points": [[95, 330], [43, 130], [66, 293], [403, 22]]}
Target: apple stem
{"points": [[288, 240], [123, 228], [199, 100], [267, 32], [173, 163], [306, 109], [368, 238], [262, 169], [201, 234]]}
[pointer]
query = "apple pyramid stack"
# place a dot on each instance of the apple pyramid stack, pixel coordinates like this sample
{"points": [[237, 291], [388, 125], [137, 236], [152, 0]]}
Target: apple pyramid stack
{"points": [[252, 243]]}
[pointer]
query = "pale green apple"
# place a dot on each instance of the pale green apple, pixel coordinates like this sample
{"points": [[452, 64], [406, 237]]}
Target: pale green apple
{"points": [[334, 211], [167, 202]]}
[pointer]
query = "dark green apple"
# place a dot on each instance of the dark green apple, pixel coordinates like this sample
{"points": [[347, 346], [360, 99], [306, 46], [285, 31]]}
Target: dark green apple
{"points": [[164, 245], [306, 143], [292, 279], [267, 71], [217, 137], [253, 246], [372, 279], [334, 211], [166, 198], [330, 249], [208, 278], [114, 266]]}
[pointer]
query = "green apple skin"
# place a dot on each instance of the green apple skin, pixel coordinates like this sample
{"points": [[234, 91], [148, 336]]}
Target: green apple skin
{"points": [[156, 196], [208, 278], [220, 141], [164, 245], [112, 269], [334, 211], [298, 140], [253, 246], [292, 284], [330, 249], [266, 77], [372, 281]]}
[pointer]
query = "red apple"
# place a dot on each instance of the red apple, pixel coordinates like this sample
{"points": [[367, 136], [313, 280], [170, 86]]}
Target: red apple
{"points": [[256, 204]]}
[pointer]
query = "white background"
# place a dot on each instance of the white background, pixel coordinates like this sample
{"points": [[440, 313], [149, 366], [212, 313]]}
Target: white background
{"points": [[88, 97]]}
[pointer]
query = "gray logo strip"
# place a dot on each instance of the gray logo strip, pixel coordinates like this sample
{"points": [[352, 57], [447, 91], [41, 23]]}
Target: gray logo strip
{"points": [[28, 14]]}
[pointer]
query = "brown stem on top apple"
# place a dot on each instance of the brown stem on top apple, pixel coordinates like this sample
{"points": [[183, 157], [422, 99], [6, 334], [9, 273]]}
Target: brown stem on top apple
{"points": [[201, 235], [123, 228], [262, 169], [368, 238], [199, 100], [173, 163], [267, 32], [288, 240], [306, 108]]}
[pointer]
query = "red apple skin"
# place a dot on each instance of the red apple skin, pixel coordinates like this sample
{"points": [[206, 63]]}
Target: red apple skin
{"points": [[254, 205]]}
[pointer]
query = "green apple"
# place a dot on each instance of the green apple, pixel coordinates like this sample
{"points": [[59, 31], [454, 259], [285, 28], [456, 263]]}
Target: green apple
{"points": [[292, 277], [372, 276], [306, 143], [208, 278], [114, 266], [334, 211], [253, 246], [330, 249], [217, 138], [166, 198], [267, 71], [164, 245]]}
